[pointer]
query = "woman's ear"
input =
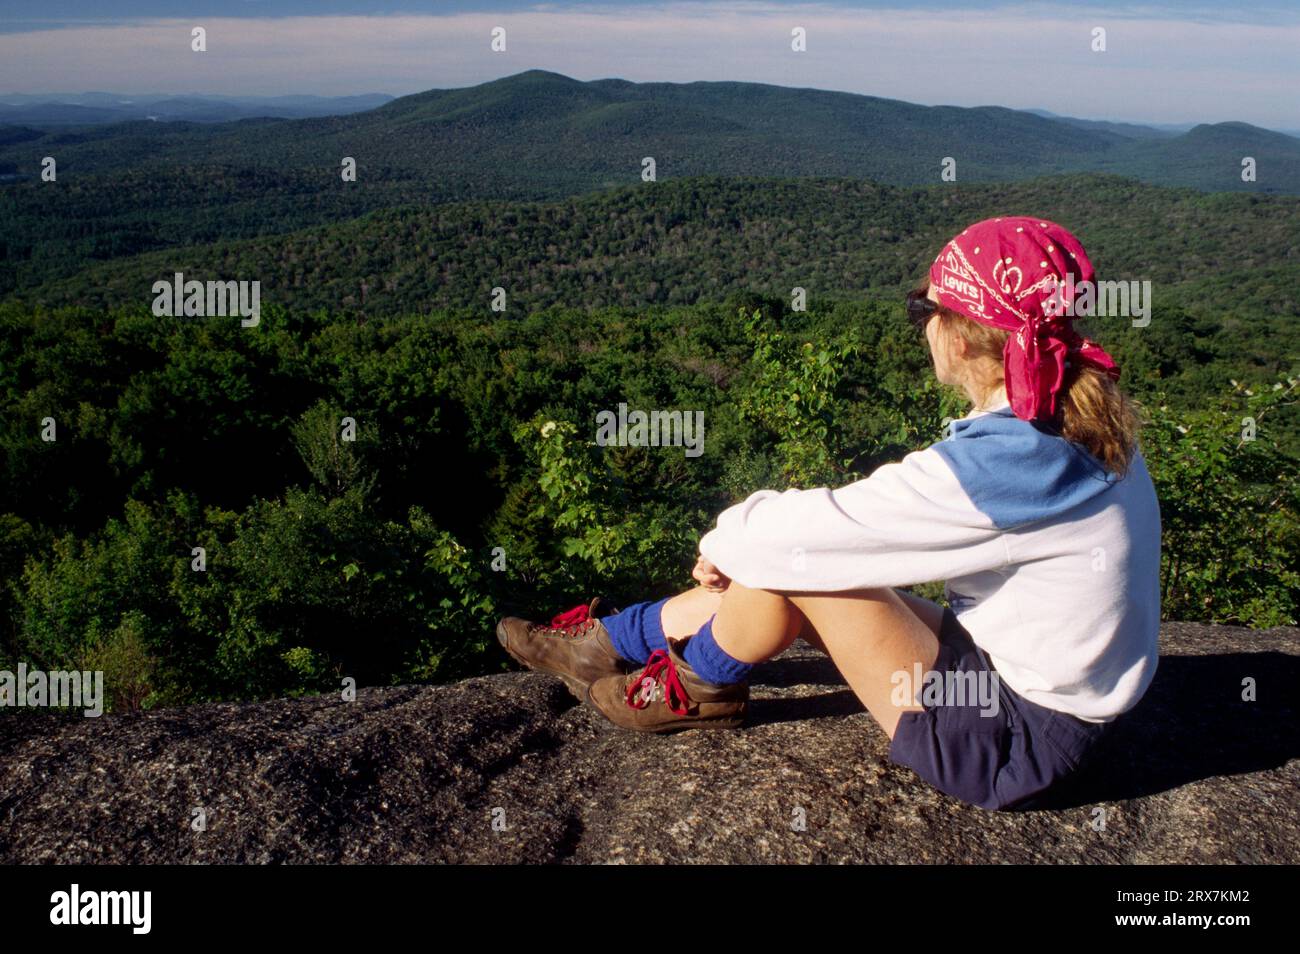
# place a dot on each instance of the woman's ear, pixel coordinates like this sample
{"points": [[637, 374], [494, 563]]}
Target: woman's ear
{"points": [[959, 345], [952, 344]]}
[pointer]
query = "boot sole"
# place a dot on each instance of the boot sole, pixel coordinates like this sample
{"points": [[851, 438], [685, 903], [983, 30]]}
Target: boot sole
{"points": [[665, 728], [669, 728]]}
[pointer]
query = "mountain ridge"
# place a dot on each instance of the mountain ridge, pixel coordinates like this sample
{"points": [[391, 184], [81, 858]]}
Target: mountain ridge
{"points": [[131, 188], [95, 108], [513, 129]]}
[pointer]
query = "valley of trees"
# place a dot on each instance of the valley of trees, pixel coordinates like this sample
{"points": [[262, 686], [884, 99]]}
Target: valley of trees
{"points": [[694, 239], [388, 558]]}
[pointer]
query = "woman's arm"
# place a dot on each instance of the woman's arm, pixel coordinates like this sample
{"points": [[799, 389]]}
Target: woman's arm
{"points": [[909, 522]]}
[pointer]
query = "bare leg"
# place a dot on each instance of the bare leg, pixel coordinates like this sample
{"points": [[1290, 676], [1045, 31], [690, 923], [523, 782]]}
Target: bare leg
{"points": [[753, 625], [685, 613], [869, 635]]}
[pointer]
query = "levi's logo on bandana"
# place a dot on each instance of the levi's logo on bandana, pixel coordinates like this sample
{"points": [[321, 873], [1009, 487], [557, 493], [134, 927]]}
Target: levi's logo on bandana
{"points": [[960, 287]]}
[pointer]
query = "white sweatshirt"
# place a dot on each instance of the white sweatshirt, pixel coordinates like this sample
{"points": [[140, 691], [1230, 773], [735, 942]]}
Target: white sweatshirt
{"points": [[1052, 563]]}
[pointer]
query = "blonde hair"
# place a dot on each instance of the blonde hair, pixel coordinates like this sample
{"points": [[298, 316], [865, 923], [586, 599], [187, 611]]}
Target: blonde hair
{"points": [[1092, 410]]}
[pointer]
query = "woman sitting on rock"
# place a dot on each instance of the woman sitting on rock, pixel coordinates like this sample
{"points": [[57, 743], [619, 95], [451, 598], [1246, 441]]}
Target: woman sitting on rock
{"points": [[1036, 509]]}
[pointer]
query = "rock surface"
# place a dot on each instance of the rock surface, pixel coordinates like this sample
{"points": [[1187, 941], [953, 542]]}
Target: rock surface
{"points": [[421, 773]]}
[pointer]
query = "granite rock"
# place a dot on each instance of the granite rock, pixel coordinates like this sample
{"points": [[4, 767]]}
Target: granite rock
{"points": [[510, 768]]}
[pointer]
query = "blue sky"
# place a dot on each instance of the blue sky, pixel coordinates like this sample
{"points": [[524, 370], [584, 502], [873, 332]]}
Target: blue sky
{"points": [[1165, 62]]}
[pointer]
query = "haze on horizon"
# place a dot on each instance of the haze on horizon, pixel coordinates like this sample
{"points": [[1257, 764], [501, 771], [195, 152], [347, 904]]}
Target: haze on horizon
{"points": [[1164, 62]]}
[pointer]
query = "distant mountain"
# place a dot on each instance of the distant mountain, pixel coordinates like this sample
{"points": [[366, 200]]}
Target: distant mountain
{"points": [[95, 108], [1204, 152], [543, 135], [1141, 130], [1127, 130], [129, 188]]}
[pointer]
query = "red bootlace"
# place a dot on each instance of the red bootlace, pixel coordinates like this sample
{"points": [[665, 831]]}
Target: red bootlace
{"points": [[659, 668], [572, 622]]}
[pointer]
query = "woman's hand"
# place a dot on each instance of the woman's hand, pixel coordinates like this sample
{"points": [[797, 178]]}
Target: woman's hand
{"points": [[709, 576]]}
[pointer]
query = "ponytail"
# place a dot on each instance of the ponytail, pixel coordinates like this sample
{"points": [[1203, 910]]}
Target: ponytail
{"points": [[1092, 410]]}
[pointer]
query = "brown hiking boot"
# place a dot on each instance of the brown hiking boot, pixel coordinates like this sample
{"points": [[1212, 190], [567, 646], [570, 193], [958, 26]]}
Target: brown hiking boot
{"points": [[666, 696], [574, 646]]}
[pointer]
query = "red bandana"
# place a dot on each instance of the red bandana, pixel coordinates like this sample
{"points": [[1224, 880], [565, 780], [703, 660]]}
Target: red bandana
{"points": [[1005, 273]]}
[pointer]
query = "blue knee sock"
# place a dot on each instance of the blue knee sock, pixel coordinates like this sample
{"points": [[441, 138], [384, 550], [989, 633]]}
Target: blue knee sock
{"points": [[711, 662], [636, 632]]}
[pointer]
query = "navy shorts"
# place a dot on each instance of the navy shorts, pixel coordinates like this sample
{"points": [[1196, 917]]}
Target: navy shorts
{"points": [[1003, 761]]}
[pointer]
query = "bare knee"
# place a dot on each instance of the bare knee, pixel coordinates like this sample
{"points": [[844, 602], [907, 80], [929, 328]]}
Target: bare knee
{"points": [[795, 622], [767, 617], [684, 614]]}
